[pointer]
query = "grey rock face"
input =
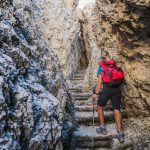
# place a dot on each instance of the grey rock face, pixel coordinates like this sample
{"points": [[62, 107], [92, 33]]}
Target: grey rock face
{"points": [[33, 93]]}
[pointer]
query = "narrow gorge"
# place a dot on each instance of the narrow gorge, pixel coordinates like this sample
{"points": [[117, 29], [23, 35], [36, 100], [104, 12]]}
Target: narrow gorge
{"points": [[49, 55]]}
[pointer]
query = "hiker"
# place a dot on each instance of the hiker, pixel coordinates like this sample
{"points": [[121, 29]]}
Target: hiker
{"points": [[110, 78]]}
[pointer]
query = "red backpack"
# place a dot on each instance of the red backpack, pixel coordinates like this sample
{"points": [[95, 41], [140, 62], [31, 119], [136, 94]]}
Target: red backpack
{"points": [[111, 74]]}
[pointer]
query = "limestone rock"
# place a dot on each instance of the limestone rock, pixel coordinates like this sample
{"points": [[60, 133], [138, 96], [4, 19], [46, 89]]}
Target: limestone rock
{"points": [[137, 131], [89, 27], [61, 28], [33, 92]]}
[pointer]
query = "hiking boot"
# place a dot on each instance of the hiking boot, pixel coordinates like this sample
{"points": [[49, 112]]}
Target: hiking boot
{"points": [[101, 130], [120, 137]]}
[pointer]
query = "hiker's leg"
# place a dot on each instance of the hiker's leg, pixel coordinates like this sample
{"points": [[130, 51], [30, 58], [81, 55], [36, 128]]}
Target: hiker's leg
{"points": [[102, 100], [102, 128], [116, 101], [119, 125], [101, 115], [118, 119]]}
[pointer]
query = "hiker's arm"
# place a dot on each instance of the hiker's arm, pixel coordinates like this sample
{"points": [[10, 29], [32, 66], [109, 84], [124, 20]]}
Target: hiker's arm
{"points": [[99, 84]]}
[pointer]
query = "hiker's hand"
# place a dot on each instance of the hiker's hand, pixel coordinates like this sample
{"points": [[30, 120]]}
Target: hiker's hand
{"points": [[94, 96]]}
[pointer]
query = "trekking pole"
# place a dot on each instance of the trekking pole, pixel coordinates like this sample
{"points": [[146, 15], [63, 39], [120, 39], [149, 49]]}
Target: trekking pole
{"points": [[93, 120]]}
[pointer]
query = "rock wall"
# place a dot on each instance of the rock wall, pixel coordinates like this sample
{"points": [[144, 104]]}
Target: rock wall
{"points": [[61, 27], [89, 27], [33, 93], [120, 30]]}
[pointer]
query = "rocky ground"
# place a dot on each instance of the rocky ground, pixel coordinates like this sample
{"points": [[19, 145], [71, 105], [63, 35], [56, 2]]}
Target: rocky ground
{"points": [[138, 130]]}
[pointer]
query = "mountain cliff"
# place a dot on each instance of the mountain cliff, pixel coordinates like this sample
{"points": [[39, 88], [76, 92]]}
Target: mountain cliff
{"points": [[33, 90]]}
